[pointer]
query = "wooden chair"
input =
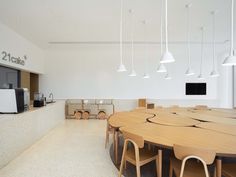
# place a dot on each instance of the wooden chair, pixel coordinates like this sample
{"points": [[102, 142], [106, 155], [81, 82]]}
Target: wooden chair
{"points": [[109, 130], [137, 154], [229, 170], [191, 162]]}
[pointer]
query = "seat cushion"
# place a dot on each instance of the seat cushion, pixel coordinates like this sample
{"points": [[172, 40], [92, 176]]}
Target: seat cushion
{"points": [[193, 168], [145, 155], [229, 170]]}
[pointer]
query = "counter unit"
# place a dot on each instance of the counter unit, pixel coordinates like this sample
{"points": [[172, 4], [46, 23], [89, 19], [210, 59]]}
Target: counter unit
{"points": [[20, 131]]}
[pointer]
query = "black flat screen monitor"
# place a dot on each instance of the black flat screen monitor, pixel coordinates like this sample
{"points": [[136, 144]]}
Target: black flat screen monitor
{"points": [[195, 89]]}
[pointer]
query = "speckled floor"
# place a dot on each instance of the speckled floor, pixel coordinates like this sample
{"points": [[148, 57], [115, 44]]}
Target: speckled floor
{"points": [[74, 149]]}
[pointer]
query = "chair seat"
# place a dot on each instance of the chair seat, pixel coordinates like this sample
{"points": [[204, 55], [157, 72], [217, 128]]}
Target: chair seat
{"points": [[145, 156], [229, 170], [192, 168]]}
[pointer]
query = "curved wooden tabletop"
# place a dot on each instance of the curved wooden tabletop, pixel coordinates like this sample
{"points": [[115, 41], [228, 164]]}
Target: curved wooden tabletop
{"points": [[121, 119], [169, 126], [167, 136], [222, 128], [173, 120]]}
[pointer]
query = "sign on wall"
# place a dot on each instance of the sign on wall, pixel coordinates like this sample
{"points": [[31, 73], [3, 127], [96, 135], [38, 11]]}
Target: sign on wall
{"points": [[8, 57]]}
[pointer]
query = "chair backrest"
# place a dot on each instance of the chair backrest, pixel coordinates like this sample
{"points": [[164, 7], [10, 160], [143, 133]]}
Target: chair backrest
{"points": [[182, 152], [134, 138]]}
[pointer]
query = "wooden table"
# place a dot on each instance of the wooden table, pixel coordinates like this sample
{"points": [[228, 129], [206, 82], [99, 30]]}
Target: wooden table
{"points": [[183, 126], [222, 128], [173, 120]]}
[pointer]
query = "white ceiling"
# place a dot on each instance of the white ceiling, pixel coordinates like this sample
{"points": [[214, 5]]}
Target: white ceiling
{"points": [[43, 21]]}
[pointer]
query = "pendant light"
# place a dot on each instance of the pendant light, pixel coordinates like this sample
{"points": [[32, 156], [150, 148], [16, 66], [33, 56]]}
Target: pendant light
{"points": [[167, 76], [161, 68], [122, 66], [146, 75], [167, 57], [200, 76], [133, 73], [231, 59], [214, 72], [189, 71]]}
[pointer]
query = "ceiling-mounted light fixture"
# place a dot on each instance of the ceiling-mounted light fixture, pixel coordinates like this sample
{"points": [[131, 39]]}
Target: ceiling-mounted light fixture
{"points": [[133, 73], [231, 59], [122, 66], [161, 68], [200, 76], [146, 75], [214, 72], [167, 57], [167, 76], [189, 71]]}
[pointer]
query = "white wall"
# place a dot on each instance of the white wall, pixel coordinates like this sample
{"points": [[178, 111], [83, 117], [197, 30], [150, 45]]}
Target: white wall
{"points": [[90, 72], [18, 46]]}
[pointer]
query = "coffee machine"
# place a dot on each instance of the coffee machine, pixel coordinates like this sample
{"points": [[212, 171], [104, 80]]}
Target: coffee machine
{"points": [[14, 100]]}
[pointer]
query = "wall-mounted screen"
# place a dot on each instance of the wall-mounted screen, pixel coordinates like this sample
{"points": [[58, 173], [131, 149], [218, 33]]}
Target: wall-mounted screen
{"points": [[195, 88]]}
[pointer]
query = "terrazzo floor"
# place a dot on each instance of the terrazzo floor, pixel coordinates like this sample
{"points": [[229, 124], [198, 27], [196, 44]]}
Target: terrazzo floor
{"points": [[73, 149]]}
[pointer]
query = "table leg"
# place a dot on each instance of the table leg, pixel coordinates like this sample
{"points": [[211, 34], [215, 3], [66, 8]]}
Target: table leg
{"points": [[218, 167], [116, 147], [159, 174]]}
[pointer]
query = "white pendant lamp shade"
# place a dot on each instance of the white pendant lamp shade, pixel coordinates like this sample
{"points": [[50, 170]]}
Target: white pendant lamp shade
{"points": [[122, 66], [214, 72], [189, 71], [200, 77], [146, 76], [231, 59], [161, 68], [133, 72], [167, 76], [167, 57]]}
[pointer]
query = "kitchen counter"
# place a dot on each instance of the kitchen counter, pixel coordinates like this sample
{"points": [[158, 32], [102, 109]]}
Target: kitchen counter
{"points": [[20, 131]]}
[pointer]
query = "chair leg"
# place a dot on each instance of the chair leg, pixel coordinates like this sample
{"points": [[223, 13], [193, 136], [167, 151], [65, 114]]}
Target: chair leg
{"points": [[149, 147], [171, 169], [125, 164], [215, 172], [122, 160], [138, 169], [159, 163]]}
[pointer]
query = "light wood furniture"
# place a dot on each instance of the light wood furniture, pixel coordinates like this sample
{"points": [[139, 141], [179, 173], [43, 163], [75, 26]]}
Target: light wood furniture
{"points": [[150, 105], [91, 108], [78, 115], [223, 128], [136, 154], [173, 120], [142, 102], [85, 114], [191, 162], [166, 136], [229, 170]]}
